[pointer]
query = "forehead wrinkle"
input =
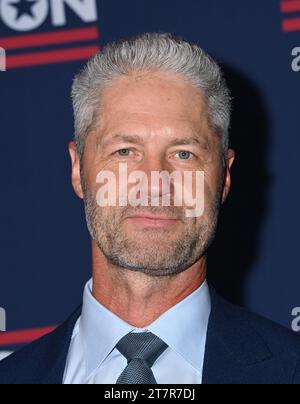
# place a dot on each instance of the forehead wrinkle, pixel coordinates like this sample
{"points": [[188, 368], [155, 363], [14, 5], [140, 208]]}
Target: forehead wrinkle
{"points": [[137, 139]]}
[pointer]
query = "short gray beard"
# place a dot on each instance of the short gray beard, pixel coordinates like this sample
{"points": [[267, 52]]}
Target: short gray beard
{"points": [[173, 258]]}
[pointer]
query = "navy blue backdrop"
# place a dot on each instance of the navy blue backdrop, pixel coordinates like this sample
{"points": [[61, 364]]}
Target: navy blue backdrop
{"points": [[44, 244]]}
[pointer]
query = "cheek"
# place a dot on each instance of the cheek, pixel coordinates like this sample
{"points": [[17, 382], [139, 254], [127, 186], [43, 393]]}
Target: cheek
{"points": [[95, 177], [210, 178], [214, 178], [211, 194], [93, 164]]}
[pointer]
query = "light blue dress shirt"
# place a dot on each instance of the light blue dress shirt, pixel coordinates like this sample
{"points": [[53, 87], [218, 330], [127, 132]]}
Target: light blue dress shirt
{"points": [[93, 359]]}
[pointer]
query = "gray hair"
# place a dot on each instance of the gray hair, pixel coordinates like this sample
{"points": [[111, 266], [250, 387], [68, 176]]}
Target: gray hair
{"points": [[150, 51]]}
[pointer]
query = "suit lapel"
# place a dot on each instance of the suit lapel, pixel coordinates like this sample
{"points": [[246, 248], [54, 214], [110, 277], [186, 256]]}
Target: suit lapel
{"points": [[57, 351]]}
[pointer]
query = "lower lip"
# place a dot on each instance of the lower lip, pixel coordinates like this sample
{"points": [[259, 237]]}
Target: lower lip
{"points": [[157, 223]]}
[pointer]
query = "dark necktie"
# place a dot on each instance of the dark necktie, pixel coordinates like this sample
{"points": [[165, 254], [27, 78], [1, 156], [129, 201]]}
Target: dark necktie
{"points": [[141, 351]]}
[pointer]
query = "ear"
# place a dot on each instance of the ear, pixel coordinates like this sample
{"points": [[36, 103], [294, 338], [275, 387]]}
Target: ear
{"points": [[227, 180], [75, 160]]}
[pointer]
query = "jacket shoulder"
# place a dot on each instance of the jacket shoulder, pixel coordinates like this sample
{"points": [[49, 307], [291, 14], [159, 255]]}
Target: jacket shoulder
{"points": [[42, 361], [266, 351], [282, 342], [279, 339]]}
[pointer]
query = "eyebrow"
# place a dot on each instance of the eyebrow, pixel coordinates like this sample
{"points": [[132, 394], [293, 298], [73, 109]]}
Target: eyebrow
{"points": [[124, 138], [137, 139], [193, 140]]}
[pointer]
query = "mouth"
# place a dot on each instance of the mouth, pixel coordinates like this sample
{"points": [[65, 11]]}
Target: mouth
{"points": [[149, 220]]}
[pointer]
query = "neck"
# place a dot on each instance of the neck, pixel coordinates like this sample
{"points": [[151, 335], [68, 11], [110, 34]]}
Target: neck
{"points": [[137, 298]]}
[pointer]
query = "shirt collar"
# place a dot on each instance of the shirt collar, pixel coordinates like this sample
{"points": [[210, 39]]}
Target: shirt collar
{"points": [[183, 328]]}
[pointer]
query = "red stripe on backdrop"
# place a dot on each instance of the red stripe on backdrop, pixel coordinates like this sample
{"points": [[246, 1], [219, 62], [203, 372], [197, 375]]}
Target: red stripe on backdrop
{"points": [[23, 337], [290, 6], [56, 56], [291, 24], [49, 38]]}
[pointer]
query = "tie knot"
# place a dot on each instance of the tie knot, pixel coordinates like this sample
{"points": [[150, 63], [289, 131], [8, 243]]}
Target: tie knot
{"points": [[145, 346]]}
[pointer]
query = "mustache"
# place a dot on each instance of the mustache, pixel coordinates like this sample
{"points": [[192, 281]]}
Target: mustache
{"points": [[172, 212], [122, 212]]}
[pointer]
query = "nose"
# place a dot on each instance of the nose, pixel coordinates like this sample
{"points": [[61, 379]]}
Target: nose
{"points": [[156, 169]]}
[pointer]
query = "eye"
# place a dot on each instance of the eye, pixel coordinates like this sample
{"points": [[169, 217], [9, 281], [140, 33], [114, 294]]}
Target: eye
{"points": [[184, 155], [123, 152]]}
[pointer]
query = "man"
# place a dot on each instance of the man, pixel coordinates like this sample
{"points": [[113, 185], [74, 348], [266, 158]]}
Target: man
{"points": [[152, 104]]}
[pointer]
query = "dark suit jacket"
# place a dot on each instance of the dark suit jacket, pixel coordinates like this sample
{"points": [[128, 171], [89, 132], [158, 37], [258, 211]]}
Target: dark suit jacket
{"points": [[241, 348]]}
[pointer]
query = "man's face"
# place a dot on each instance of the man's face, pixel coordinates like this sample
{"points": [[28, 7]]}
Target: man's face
{"points": [[152, 122]]}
